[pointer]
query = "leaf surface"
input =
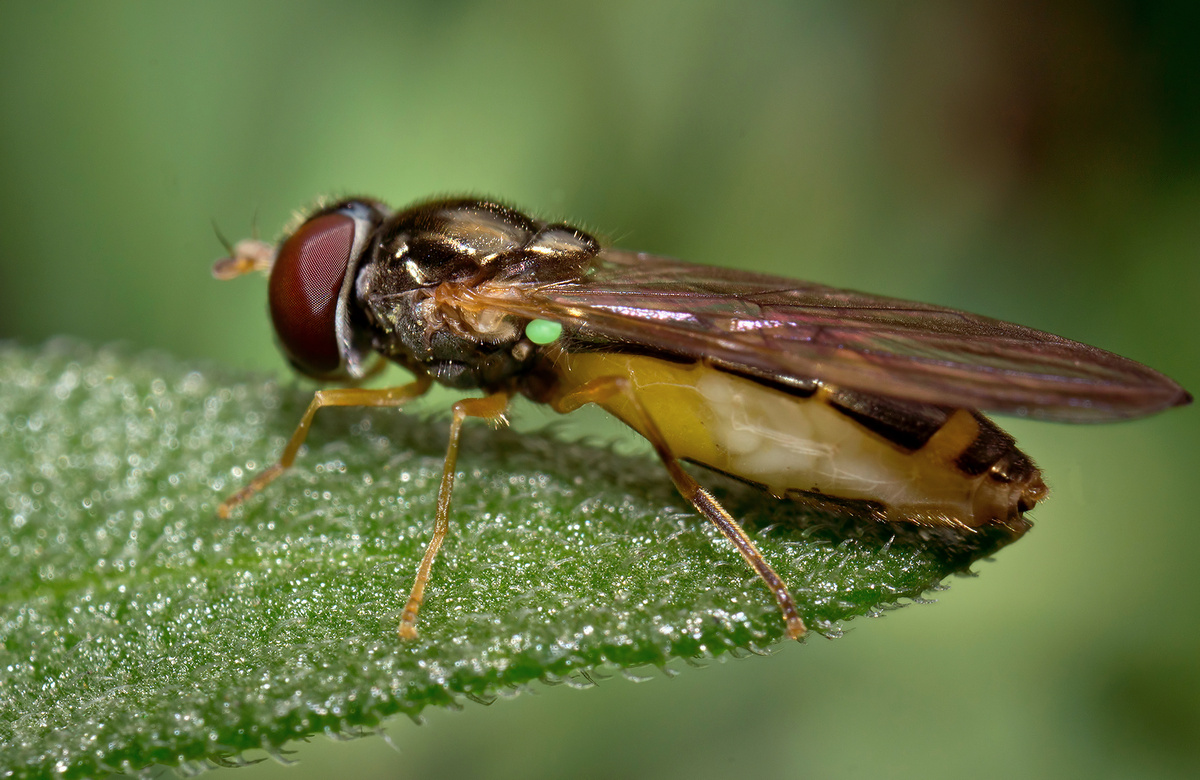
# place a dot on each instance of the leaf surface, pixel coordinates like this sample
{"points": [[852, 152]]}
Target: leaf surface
{"points": [[137, 628]]}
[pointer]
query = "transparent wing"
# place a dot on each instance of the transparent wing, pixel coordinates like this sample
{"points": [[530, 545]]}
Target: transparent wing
{"points": [[796, 331]]}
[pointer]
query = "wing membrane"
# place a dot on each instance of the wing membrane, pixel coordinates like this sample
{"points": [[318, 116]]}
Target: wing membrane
{"points": [[797, 331]]}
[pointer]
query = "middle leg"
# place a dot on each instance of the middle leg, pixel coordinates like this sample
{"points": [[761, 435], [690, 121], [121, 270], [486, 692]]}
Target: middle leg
{"points": [[491, 408]]}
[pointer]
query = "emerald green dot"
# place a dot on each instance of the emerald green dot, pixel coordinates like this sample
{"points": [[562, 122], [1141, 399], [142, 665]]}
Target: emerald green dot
{"points": [[543, 331]]}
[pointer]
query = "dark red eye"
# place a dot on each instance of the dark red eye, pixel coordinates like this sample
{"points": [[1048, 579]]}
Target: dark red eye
{"points": [[303, 292]]}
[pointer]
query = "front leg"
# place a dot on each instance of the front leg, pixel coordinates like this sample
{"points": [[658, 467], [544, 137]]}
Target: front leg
{"points": [[348, 396]]}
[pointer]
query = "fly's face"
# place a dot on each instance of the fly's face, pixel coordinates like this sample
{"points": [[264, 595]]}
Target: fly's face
{"points": [[311, 281]]}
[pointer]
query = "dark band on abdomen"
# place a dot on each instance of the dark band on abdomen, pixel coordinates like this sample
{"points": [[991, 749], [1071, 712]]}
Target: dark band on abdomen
{"points": [[904, 423], [989, 446]]}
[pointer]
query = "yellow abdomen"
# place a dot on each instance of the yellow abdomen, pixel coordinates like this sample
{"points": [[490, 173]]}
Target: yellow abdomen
{"points": [[788, 442]]}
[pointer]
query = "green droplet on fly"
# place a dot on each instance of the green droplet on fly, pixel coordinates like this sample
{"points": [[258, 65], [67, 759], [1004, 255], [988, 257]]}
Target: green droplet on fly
{"points": [[543, 331]]}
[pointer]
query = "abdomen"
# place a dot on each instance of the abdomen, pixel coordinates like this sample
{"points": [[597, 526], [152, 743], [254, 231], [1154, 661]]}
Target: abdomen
{"points": [[916, 463]]}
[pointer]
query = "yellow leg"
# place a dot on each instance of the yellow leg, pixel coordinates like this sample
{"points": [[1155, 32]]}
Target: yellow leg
{"points": [[490, 408], [392, 396], [603, 388]]}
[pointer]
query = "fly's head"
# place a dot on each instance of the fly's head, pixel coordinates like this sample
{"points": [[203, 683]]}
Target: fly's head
{"points": [[310, 288]]}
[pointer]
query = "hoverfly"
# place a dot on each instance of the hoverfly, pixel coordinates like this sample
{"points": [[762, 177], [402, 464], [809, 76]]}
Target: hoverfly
{"points": [[822, 395]]}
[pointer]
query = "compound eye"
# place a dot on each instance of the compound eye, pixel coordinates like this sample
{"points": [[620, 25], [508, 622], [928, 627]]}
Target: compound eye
{"points": [[303, 292]]}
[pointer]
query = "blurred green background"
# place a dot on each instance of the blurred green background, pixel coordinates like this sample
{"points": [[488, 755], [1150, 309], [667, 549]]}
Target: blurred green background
{"points": [[1030, 161]]}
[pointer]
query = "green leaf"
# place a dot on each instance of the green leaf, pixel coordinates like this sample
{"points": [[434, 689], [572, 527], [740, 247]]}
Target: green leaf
{"points": [[138, 628]]}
